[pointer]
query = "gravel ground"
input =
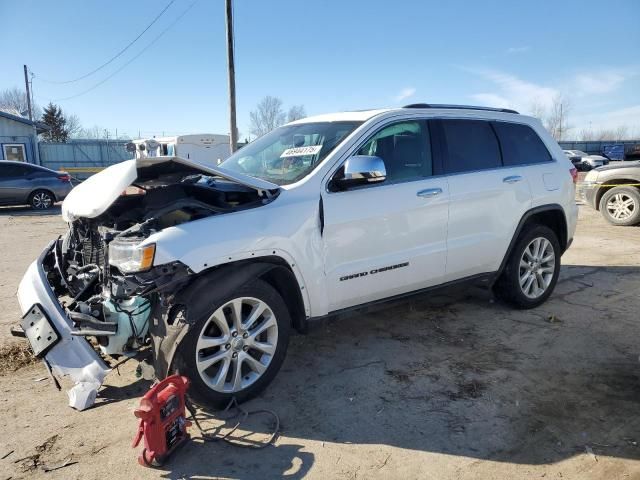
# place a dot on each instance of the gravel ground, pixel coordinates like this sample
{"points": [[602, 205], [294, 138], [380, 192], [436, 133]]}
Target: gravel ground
{"points": [[442, 386]]}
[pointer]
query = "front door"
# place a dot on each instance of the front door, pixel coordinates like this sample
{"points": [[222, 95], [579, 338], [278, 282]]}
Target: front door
{"points": [[389, 238]]}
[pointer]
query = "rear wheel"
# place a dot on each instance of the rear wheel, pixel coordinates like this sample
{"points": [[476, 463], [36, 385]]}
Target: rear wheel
{"points": [[532, 269], [237, 348], [41, 200], [621, 206]]}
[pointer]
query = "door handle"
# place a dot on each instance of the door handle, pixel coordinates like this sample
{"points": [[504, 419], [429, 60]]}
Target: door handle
{"points": [[429, 192], [512, 179]]}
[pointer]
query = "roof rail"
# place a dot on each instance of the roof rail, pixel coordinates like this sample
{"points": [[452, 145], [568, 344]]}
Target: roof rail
{"points": [[459, 107]]}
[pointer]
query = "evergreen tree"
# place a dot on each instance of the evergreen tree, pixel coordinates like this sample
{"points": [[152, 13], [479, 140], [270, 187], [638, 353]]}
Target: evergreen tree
{"points": [[54, 119]]}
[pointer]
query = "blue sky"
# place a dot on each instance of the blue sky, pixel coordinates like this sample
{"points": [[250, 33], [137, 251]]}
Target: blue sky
{"points": [[327, 55]]}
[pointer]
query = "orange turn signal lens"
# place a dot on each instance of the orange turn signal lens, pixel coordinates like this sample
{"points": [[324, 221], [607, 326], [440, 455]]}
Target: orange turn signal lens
{"points": [[148, 253]]}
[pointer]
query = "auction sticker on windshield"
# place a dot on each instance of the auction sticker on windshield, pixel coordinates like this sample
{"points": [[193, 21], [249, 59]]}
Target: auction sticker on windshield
{"points": [[301, 151]]}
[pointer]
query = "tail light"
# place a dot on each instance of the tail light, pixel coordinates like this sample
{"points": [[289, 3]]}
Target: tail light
{"points": [[65, 177], [574, 174]]}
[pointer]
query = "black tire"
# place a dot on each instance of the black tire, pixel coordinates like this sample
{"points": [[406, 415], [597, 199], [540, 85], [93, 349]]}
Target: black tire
{"points": [[185, 359], [41, 200], [508, 288], [630, 193]]}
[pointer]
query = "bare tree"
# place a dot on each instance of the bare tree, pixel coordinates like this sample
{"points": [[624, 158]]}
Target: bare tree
{"points": [[267, 116], [74, 127], [537, 110], [296, 112], [621, 133], [610, 134], [586, 135], [14, 100], [557, 120], [96, 132]]}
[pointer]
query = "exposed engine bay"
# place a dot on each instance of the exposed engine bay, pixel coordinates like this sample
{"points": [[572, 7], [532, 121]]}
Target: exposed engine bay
{"points": [[106, 282]]}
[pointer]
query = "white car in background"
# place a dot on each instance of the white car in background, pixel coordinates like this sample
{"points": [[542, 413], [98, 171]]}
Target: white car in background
{"points": [[215, 266], [584, 161]]}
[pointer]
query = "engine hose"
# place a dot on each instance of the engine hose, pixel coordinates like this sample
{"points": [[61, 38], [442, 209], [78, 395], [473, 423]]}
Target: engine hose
{"points": [[88, 266], [243, 414]]}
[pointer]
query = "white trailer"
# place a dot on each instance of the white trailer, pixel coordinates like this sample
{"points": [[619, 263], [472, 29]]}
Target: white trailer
{"points": [[205, 148]]}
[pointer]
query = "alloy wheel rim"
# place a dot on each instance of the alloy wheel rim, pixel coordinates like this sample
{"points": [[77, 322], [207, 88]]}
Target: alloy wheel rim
{"points": [[537, 266], [621, 206], [41, 200], [236, 344]]}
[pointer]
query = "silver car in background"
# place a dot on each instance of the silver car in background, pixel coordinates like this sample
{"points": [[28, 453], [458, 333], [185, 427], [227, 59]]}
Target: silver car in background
{"points": [[585, 162], [26, 184]]}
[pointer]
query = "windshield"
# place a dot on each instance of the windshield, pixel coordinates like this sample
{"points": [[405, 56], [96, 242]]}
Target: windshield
{"points": [[288, 154], [581, 153]]}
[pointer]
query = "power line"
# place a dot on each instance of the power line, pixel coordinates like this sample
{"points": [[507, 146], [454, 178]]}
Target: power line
{"points": [[134, 58], [116, 55]]}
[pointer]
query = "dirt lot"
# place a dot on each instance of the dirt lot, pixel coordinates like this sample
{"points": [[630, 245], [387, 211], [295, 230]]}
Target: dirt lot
{"points": [[438, 387]]}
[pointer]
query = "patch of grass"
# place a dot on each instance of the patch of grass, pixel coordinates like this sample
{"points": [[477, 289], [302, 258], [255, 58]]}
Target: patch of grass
{"points": [[15, 356]]}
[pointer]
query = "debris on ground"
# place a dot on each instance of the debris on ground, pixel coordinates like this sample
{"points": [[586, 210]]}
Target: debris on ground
{"points": [[47, 445], [33, 462], [553, 319], [14, 356], [589, 451], [472, 389], [66, 463]]}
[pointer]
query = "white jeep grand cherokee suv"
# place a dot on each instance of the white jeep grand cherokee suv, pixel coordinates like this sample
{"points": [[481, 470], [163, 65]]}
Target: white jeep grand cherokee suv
{"points": [[214, 266]]}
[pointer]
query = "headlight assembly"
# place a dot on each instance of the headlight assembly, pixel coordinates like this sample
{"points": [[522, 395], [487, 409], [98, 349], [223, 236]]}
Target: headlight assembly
{"points": [[129, 257]]}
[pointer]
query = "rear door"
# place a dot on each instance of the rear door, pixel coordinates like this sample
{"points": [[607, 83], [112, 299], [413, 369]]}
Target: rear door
{"points": [[487, 197], [389, 238], [14, 185], [523, 148]]}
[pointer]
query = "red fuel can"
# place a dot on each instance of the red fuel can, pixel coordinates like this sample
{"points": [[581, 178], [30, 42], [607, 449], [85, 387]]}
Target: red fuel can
{"points": [[163, 423]]}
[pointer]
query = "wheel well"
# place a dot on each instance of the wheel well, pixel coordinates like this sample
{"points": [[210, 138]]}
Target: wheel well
{"points": [[552, 218], [274, 270], [284, 281], [618, 181]]}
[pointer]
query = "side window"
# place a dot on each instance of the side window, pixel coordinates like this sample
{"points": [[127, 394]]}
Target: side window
{"points": [[520, 144], [470, 145], [405, 148], [34, 171], [11, 170]]}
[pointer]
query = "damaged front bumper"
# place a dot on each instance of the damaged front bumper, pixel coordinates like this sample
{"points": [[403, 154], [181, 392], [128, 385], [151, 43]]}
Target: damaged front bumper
{"points": [[70, 356]]}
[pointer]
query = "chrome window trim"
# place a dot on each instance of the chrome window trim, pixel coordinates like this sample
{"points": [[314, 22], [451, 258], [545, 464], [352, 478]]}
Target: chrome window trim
{"points": [[377, 126]]}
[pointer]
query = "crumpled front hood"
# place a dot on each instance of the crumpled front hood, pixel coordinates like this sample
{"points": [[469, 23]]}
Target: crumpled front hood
{"points": [[96, 194]]}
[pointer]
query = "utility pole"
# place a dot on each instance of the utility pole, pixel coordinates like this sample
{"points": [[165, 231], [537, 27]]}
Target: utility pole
{"points": [[232, 77], [26, 86], [560, 126]]}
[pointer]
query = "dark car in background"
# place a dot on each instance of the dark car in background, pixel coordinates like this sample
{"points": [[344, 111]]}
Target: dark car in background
{"points": [[26, 184], [632, 153]]}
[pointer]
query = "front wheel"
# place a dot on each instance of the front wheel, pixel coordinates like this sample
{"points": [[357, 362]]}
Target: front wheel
{"points": [[532, 269], [621, 206], [237, 348]]}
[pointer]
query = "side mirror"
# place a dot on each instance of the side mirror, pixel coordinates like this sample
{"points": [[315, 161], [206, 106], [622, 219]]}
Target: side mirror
{"points": [[361, 170]]}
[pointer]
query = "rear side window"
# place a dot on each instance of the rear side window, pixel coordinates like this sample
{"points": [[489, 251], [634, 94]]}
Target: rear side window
{"points": [[34, 171], [9, 170], [521, 145], [470, 145]]}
